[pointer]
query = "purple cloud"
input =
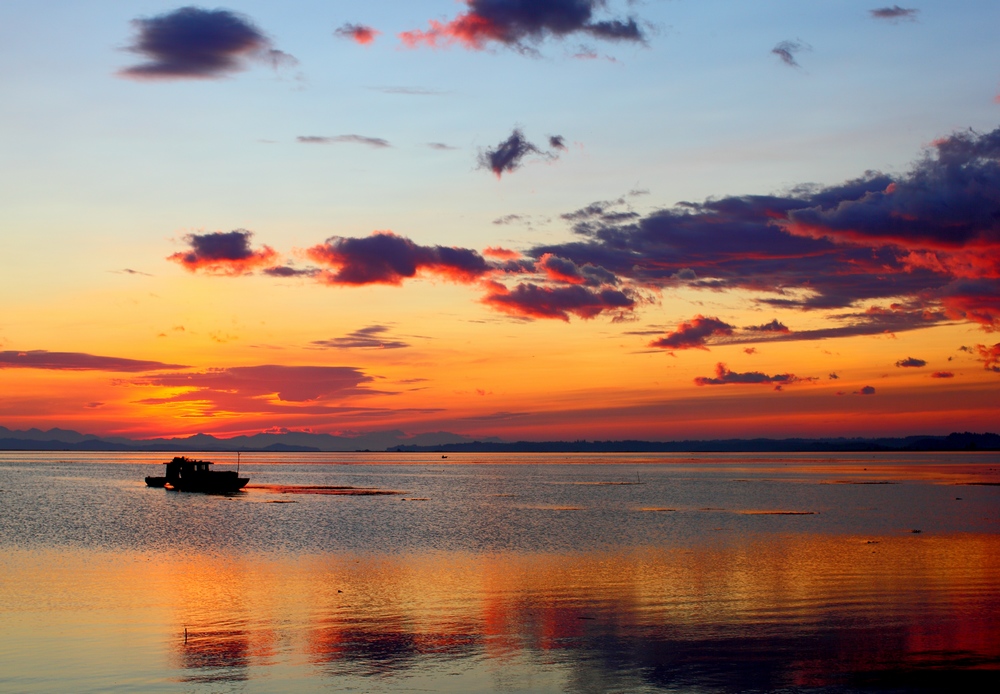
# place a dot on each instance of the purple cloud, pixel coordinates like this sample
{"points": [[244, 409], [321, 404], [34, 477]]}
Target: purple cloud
{"points": [[518, 23], [724, 376], [192, 43], [78, 361]]}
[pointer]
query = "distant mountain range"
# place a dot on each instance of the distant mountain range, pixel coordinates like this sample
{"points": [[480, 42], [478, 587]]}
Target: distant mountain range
{"points": [[446, 442], [291, 442]]}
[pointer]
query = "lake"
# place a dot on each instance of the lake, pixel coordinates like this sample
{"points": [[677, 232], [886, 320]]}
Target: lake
{"points": [[389, 572]]}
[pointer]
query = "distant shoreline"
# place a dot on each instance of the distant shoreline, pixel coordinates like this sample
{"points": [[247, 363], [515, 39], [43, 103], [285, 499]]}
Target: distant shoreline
{"points": [[954, 442]]}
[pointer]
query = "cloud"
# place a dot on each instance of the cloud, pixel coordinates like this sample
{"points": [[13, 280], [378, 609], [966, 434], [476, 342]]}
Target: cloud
{"points": [[833, 376], [224, 253], [786, 51], [693, 334], [385, 258], [507, 156], [894, 13], [296, 384], [371, 337], [192, 43], [289, 271], [910, 362], [518, 23], [441, 146], [78, 361], [724, 376], [867, 390], [927, 239], [376, 142], [990, 356], [557, 142], [529, 300], [359, 33], [942, 374], [499, 252], [566, 271], [775, 326]]}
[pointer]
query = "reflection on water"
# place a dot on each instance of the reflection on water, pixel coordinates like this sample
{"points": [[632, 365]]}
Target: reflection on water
{"points": [[800, 611], [789, 574]]}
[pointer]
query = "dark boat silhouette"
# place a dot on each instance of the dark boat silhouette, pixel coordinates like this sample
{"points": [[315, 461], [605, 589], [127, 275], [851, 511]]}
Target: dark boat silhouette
{"points": [[186, 475]]}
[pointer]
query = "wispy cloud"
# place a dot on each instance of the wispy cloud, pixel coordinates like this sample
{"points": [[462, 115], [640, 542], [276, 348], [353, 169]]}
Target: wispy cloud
{"points": [[371, 337], [894, 13], [911, 363], [78, 361], [192, 43], [376, 142], [787, 50]]}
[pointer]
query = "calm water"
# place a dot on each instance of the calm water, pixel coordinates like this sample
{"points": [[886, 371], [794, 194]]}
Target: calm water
{"points": [[564, 573]]}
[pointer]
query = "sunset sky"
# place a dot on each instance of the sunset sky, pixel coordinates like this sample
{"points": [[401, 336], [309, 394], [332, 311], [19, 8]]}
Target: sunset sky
{"points": [[530, 219]]}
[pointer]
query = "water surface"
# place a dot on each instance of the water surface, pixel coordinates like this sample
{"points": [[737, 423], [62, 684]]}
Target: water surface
{"points": [[575, 573]]}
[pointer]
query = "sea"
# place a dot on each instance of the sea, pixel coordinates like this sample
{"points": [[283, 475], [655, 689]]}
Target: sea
{"points": [[400, 572]]}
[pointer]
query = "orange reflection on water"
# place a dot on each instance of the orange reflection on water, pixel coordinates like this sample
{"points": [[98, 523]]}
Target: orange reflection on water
{"points": [[779, 611]]}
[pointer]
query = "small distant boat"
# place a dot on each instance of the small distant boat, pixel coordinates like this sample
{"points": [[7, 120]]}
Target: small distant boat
{"points": [[187, 475]]}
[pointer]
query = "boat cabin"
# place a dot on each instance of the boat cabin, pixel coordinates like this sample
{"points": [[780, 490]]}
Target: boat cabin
{"points": [[182, 467]]}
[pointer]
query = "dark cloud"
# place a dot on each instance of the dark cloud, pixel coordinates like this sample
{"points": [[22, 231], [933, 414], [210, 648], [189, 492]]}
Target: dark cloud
{"points": [[385, 258], [194, 43], [289, 271], [130, 271], [775, 326], [833, 376], [724, 376], [287, 383], [506, 157], [942, 374], [693, 334], [224, 253], [440, 146], [77, 361], [557, 142], [376, 142], [359, 33], [529, 300], [520, 23], [990, 356], [930, 236], [371, 337], [911, 362], [894, 13], [787, 50], [566, 271], [867, 390]]}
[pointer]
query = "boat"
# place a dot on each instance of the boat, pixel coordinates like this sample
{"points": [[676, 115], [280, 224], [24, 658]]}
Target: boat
{"points": [[187, 475]]}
